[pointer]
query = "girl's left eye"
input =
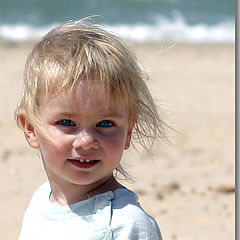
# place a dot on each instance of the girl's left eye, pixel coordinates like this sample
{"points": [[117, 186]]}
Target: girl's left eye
{"points": [[105, 124], [66, 122]]}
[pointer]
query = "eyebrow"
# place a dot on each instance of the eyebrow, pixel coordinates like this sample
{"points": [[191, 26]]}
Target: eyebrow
{"points": [[108, 114], [113, 114], [63, 114]]}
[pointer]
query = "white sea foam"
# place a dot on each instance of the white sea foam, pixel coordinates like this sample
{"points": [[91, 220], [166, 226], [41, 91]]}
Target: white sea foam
{"points": [[22, 32], [165, 29], [176, 30]]}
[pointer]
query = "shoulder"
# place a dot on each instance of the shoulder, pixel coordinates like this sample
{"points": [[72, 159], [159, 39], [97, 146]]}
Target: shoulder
{"points": [[125, 203], [42, 192], [39, 198], [129, 219], [32, 216]]}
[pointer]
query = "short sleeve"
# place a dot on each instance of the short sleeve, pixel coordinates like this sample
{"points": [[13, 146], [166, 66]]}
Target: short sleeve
{"points": [[136, 231], [130, 221]]}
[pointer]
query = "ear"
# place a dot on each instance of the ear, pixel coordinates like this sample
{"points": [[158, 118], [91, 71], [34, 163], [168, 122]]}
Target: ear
{"points": [[128, 138], [29, 130]]}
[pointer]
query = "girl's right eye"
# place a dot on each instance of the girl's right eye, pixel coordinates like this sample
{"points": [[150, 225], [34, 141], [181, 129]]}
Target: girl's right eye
{"points": [[66, 122]]}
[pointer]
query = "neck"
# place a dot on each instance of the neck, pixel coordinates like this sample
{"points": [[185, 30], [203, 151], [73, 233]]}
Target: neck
{"points": [[67, 194], [111, 184]]}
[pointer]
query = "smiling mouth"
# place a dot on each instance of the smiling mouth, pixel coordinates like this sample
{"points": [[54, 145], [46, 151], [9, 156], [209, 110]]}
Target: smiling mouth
{"points": [[84, 163]]}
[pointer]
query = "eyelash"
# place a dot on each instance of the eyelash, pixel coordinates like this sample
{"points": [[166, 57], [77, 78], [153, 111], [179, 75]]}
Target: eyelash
{"points": [[69, 123], [106, 121], [64, 121]]}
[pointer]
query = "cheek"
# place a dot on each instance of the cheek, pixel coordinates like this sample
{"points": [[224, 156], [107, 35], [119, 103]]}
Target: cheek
{"points": [[115, 141], [53, 148]]}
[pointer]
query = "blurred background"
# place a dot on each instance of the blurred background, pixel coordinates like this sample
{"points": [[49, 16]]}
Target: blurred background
{"points": [[139, 20], [187, 48]]}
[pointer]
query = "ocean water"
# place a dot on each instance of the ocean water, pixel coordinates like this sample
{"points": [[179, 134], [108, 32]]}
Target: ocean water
{"points": [[193, 21]]}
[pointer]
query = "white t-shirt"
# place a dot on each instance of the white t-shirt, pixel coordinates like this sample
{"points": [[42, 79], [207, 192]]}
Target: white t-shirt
{"points": [[111, 215]]}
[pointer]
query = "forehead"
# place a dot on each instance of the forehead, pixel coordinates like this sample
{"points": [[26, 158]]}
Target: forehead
{"points": [[84, 99]]}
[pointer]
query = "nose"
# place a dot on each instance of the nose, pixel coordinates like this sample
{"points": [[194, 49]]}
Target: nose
{"points": [[85, 141]]}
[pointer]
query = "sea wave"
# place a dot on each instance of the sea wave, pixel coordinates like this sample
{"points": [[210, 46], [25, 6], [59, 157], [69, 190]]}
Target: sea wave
{"points": [[22, 32], [174, 29]]}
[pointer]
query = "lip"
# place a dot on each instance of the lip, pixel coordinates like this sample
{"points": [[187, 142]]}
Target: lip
{"points": [[86, 164], [85, 158]]}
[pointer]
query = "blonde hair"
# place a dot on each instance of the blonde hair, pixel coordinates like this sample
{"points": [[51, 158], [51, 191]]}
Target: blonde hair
{"points": [[80, 51]]}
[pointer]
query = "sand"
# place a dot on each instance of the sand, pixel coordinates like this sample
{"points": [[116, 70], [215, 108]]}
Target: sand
{"points": [[188, 187]]}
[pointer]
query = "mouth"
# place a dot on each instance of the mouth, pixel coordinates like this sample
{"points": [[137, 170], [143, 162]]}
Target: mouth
{"points": [[84, 163]]}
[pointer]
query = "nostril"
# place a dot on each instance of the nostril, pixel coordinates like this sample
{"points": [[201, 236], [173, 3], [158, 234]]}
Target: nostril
{"points": [[85, 140]]}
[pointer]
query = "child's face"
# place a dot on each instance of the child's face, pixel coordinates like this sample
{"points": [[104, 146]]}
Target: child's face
{"points": [[88, 136]]}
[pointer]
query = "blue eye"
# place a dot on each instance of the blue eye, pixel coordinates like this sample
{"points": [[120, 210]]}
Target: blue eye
{"points": [[105, 124], [66, 122]]}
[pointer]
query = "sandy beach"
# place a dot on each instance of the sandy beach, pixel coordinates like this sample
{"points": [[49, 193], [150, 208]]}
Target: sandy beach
{"points": [[188, 187]]}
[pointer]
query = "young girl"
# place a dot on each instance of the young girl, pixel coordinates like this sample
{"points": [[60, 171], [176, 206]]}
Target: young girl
{"points": [[84, 99]]}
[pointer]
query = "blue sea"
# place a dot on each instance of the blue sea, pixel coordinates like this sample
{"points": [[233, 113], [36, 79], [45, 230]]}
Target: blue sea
{"points": [[190, 21]]}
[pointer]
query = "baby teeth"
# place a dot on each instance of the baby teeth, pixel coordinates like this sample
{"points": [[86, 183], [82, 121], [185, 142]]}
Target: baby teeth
{"points": [[87, 160]]}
